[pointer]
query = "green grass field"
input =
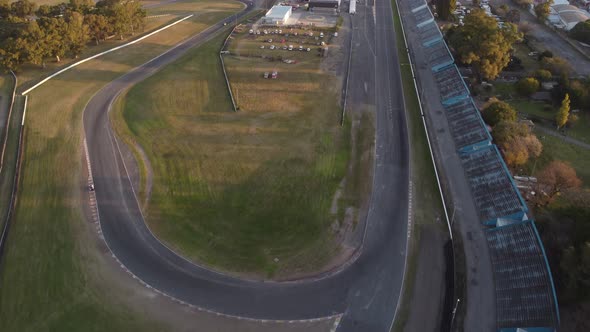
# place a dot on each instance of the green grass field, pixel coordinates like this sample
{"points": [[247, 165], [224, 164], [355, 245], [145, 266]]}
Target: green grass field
{"points": [[51, 277], [556, 149], [237, 190]]}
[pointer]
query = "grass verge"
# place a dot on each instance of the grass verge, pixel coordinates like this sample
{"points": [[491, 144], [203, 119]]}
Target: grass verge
{"points": [[555, 148], [250, 191], [423, 177], [6, 87], [52, 278]]}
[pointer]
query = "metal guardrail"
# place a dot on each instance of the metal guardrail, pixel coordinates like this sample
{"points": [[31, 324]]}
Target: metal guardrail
{"points": [[231, 94]]}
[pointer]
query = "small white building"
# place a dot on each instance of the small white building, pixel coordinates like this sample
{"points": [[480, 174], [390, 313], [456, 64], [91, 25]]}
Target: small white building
{"points": [[278, 15]]}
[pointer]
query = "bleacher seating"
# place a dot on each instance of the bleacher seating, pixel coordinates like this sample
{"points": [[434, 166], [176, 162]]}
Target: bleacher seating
{"points": [[525, 297], [416, 3], [451, 85], [524, 293], [466, 124], [423, 16], [439, 55], [429, 33], [494, 193]]}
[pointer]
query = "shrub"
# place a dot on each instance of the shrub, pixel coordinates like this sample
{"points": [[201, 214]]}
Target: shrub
{"points": [[581, 32], [543, 75], [556, 65], [545, 54], [527, 86]]}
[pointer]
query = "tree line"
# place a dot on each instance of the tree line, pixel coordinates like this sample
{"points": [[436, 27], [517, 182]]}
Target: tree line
{"points": [[31, 34]]}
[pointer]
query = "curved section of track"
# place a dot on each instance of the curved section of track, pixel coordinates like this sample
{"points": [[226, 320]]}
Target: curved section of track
{"points": [[366, 291]]}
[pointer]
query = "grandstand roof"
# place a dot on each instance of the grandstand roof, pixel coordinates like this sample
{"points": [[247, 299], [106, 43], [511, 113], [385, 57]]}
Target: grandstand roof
{"points": [[416, 3], [429, 33], [466, 124], [451, 84], [423, 15], [494, 193], [439, 55], [524, 287]]}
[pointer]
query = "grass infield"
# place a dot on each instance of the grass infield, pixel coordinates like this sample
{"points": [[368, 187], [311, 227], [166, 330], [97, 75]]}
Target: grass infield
{"points": [[251, 191]]}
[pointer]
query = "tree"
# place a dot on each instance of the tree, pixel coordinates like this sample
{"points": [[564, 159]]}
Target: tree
{"points": [[556, 65], [445, 8], [11, 56], [542, 10], [32, 43], [564, 112], [4, 9], [77, 35], [517, 142], [23, 8], [98, 27], [55, 36], [484, 45], [581, 32], [519, 149], [556, 178], [524, 3], [496, 111], [127, 18], [505, 130], [527, 86], [579, 92], [513, 16], [81, 6]]}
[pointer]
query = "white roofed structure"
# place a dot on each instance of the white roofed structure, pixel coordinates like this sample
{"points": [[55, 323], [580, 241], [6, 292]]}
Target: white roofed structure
{"points": [[278, 15]]}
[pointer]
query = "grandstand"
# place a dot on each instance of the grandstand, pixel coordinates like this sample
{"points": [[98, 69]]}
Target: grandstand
{"points": [[523, 283], [494, 192], [416, 4], [439, 55], [423, 16], [451, 85], [525, 297], [429, 34], [467, 127]]}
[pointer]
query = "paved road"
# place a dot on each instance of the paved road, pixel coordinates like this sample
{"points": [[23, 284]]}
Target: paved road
{"points": [[563, 137], [366, 291]]}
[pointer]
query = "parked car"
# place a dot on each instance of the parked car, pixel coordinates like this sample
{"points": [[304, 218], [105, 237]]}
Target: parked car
{"points": [[290, 47], [300, 48], [266, 74], [272, 47], [275, 74]]}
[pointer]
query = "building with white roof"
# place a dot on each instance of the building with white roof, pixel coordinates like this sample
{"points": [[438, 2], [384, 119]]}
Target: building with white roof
{"points": [[278, 15], [566, 16]]}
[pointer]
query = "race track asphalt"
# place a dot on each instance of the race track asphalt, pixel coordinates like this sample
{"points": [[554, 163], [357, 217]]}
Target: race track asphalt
{"points": [[366, 291]]}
